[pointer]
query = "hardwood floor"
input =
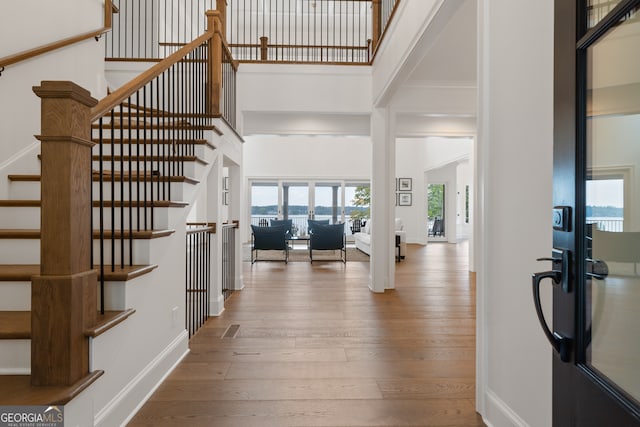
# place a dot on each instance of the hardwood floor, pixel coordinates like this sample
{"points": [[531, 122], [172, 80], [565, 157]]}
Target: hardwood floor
{"points": [[315, 347]]}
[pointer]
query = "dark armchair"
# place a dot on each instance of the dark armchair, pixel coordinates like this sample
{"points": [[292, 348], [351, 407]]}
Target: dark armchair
{"points": [[269, 239], [313, 222], [287, 223], [325, 237]]}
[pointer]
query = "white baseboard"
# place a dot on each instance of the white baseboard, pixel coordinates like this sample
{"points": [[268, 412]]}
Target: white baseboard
{"points": [[216, 307], [126, 404], [499, 414], [238, 283]]}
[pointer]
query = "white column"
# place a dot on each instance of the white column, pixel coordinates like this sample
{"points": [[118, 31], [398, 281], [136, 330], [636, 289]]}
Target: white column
{"points": [[235, 204], [214, 214], [382, 266]]}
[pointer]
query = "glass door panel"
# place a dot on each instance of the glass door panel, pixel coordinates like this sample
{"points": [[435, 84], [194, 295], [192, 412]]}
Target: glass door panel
{"points": [[612, 297], [328, 202], [436, 210], [598, 9], [357, 200], [295, 205], [264, 202]]}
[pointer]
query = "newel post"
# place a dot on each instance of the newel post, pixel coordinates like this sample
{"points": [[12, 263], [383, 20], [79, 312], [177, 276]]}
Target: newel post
{"points": [[64, 295], [214, 73], [376, 28]]}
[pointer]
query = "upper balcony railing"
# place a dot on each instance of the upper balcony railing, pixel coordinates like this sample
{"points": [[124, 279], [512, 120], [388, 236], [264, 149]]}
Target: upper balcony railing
{"points": [[321, 31], [307, 31]]}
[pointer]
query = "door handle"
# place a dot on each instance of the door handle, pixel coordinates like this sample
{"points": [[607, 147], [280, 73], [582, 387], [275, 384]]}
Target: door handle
{"points": [[560, 343]]}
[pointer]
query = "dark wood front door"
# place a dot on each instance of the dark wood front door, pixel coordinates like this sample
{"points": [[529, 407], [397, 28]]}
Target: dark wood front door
{"points": [[595, 264]]}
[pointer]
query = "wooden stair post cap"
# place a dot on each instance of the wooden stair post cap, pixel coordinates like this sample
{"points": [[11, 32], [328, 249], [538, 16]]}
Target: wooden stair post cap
{"points": [[64, 89]]}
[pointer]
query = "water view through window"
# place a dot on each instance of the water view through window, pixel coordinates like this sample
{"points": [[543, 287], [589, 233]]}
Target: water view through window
{"points": [[334, 201]]}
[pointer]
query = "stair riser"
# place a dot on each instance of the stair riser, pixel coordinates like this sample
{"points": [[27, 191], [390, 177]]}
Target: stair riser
{"points": [[27, 251], [29, 218], [20, 251], [15, 296], [141, 251], [160, 218], [15, 357], [20, 217], [114, 296]]}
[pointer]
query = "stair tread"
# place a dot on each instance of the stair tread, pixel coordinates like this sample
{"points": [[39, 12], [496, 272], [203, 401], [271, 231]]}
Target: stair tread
{"points": [[24, 272], [155, 126], [16, 233], [107, 321], [141, 203], [20, 203], [126, 158], [138, 235], [157, 203], [148, 176], [96, 177], [15, 325], [17, 390], [134, 141]]}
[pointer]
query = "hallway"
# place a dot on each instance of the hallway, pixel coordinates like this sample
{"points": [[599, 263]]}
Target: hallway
{"points": [[315, 347]]}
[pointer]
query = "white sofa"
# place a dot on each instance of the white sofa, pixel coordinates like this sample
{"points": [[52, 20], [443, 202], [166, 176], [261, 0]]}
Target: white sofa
{"points": [[363, 238]]}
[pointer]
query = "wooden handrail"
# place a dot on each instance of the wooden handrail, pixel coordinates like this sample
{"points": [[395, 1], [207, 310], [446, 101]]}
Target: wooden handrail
{"points": [[201, 226], [31, 53], [300, 46], [225, 46], [119, 95]]}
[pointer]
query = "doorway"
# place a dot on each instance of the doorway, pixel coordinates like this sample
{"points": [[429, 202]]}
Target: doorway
{"points": [[436, 210]]}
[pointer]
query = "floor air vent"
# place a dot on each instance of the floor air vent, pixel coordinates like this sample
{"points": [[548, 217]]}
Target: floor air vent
{"points": [[231, 331]]}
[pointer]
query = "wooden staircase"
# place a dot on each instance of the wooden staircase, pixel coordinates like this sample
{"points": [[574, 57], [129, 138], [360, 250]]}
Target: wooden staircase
{"points": [[134, 168]]}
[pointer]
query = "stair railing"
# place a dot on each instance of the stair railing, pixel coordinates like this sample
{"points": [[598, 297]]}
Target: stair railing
{"points": [[198, 275], [145, 132]]}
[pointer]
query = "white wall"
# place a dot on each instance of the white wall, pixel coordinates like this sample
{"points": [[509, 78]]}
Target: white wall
{"points": [[271, 88], [28, 24], [303, 157], [514, 204], [414, 157], [410, 163]]}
